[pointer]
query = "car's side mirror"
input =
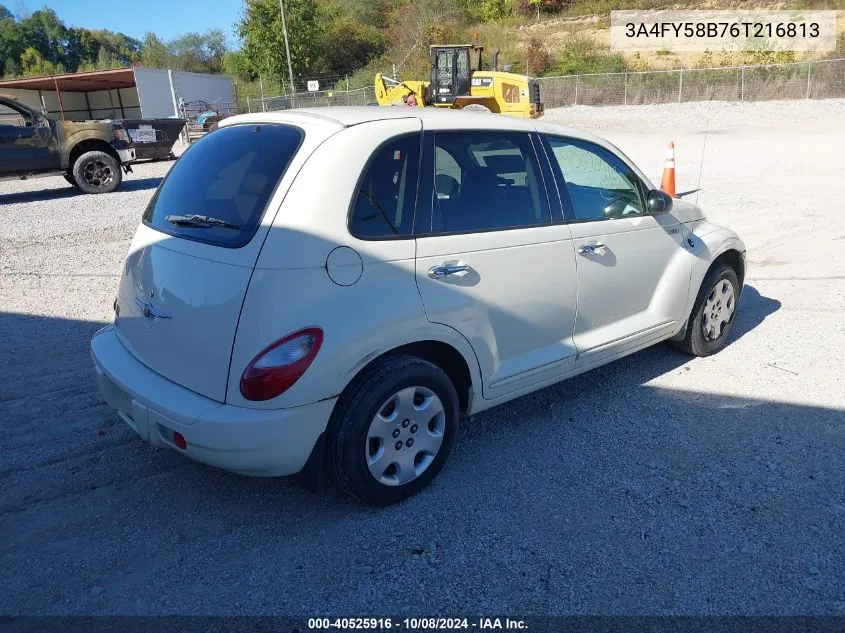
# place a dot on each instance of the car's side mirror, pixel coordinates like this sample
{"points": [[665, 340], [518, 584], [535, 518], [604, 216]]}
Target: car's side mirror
{"points": [[659, 202]]}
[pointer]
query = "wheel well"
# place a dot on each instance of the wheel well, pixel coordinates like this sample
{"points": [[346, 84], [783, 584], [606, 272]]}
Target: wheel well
{"points": [[91, 145], [447, 358], [734, 259]]}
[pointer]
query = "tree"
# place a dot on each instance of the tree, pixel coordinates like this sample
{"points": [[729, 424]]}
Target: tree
{"points": [[154, 52], [346, 44], [105, 59], [367, 12], [263, 39], [199, 52], [12, 43], [194, 52], [44, 32], [34, 64]]}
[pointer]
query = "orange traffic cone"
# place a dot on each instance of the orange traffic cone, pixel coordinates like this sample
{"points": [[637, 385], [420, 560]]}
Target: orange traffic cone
{"points": [[668, 182]]}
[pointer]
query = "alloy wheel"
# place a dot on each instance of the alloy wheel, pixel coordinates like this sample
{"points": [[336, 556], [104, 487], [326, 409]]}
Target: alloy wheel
{"points": [[97, 173]]}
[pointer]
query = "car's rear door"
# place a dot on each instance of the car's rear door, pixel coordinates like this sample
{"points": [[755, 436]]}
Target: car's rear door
{"points": [[633, 275], [491, 261]]}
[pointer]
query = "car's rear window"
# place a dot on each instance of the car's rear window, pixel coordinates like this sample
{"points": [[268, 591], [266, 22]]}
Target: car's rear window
{"points": [[218, 190]]}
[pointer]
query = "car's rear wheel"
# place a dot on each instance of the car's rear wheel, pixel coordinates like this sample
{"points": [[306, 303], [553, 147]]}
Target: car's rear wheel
{"points": [[393, 430], [97, 172], [712, 317]]}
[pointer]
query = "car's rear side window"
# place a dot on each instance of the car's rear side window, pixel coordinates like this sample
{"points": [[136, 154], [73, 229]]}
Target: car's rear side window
{"points": [[386, 198], [218, 190]]}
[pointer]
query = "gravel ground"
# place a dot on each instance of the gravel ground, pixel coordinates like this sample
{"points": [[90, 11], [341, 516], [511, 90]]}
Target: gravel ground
{"points": [[656, 485]]}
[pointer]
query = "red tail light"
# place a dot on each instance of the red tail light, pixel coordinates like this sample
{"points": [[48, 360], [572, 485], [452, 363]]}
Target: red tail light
{"points": [[280, 365]]}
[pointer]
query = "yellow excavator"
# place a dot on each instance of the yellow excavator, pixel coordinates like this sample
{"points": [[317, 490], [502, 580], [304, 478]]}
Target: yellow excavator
{"points": [[459, 84]]}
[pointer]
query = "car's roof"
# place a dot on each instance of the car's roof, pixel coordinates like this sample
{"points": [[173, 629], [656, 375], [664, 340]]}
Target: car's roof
{"points": [[342, 116], [345, 116], [332, 119]]}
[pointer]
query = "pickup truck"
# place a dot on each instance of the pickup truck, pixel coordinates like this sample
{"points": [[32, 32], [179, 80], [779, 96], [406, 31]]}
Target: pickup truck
{"points": [[90, 154]]}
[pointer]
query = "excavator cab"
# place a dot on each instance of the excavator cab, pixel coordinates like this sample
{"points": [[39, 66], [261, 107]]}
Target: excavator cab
{"points": [[451, 72]]}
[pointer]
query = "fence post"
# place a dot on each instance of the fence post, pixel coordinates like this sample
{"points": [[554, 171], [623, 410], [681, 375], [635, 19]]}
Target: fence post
{"points": [[261, 86], [742, 83], [681, 83], [626, 87], [576, 89], [809, 66], [347, 89]]}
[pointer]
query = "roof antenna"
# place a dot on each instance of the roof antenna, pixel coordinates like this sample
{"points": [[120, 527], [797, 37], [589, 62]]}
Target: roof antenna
{"points": [[703, 149]]}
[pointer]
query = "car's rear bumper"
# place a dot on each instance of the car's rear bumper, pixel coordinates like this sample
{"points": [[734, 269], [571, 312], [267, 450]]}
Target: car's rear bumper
{"points": [[260, 442]]}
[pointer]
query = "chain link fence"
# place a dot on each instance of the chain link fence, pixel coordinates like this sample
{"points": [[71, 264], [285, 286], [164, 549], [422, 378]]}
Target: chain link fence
{"points": [[799, 80], [320, 98], [823, 79]]}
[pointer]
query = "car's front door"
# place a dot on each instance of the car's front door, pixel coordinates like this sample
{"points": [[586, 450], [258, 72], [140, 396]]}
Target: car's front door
{"points": [[633, 273], [24, 140], [490, 262]]}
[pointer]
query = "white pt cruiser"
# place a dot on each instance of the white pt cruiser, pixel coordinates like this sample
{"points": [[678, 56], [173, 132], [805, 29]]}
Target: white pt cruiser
{"points": [[331, 290]]}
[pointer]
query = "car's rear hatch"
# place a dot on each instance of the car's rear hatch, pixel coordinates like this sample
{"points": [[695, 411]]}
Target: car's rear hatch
{"points": [[191, 260]]}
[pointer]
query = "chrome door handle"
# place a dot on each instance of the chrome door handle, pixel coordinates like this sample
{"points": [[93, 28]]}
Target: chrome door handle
{"points": [[438, 272], [592, 247]]}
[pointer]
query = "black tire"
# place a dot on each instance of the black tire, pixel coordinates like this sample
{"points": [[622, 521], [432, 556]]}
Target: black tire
{"points": [[97, 172], [359, 404], [694, 342], [69, 177]]}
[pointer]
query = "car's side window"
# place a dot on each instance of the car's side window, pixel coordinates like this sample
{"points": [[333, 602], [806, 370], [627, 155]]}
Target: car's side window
{"points": [[486, 181], [599, 184], [385, 200], [13, 117]]}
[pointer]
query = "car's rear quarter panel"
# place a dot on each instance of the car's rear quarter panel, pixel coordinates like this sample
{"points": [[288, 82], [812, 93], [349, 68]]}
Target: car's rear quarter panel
{"points": [[291, 288]]}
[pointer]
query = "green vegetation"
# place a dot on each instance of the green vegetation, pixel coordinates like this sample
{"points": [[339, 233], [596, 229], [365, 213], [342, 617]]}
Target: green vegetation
{"points": [[345, 42]]}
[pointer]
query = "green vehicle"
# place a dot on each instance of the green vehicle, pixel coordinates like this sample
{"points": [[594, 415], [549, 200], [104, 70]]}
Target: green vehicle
{"points": [[92, 155]]}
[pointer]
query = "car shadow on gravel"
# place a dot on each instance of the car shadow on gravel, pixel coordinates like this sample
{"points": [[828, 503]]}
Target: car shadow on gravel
{"points": [[695, 501], [45, 194], [753, 310], [65, 342]]}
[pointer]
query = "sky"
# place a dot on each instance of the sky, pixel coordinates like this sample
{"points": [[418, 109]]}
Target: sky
{"points": [[165, 18]]}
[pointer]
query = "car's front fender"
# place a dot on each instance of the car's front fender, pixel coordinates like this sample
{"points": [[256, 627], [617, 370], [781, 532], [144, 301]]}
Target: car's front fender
{"points": [[707, 242]]}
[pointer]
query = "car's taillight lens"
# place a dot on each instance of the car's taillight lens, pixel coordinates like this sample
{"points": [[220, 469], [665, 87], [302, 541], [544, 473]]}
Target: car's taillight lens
{"points": [[280, 365]]}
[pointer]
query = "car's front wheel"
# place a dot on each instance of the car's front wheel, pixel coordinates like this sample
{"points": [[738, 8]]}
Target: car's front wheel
{"points": [[97, 172], [393, 429], [712, 317]]}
